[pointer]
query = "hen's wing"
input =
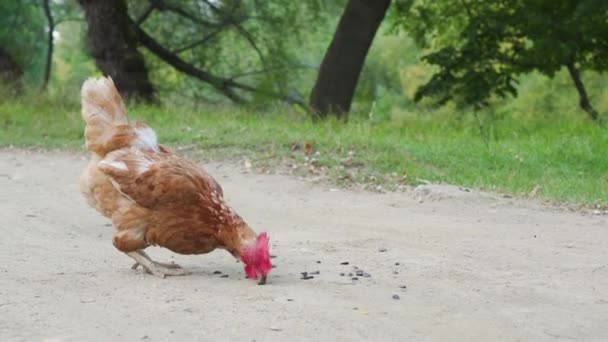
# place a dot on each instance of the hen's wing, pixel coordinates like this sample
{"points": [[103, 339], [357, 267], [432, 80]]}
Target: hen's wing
{"points": [[160, 180]]}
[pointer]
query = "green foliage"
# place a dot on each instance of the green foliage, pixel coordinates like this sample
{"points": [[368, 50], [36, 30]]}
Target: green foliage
{"points": [[22, 34], [481, 47]]}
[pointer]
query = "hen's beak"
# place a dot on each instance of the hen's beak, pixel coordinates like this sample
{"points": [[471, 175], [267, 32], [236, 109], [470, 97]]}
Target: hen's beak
{"points": [[262, 280]]}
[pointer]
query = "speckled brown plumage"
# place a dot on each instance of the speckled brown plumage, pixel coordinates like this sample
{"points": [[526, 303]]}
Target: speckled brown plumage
{"points": [[152, 196]]}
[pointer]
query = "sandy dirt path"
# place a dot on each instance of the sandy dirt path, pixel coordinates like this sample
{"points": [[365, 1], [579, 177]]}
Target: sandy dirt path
{"points": [[476, 266]]}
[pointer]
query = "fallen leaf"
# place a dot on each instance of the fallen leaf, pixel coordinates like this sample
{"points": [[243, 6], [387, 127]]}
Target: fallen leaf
{"points": [[307, 148]]}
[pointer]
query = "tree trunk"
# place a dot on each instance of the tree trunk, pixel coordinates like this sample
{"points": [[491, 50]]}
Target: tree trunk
{"points": [[113, 44], [582, 92], [10, 73], [49, 51], [343, 61]]}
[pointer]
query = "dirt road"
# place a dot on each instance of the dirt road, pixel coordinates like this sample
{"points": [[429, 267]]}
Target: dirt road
{"points": [[476, 267]]}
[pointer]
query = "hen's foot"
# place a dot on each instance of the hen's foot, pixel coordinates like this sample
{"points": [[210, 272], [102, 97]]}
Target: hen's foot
{"points": [[160, 270], [162, 264], [156, 268]]}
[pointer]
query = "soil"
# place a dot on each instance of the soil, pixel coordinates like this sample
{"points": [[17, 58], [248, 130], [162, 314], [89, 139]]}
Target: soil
{"points": [[463, 265]]}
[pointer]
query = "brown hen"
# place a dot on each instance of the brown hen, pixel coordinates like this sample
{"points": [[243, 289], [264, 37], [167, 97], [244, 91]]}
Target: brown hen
{"points": [[154, 197]]}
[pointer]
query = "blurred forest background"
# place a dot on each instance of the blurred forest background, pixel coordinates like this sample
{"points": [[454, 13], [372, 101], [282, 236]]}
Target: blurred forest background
{"points": [[507, 95]]}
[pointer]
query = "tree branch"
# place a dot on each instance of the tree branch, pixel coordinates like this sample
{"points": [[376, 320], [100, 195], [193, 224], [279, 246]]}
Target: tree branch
{"points": [[146, 14], [49, 52], [161, 5], [226, 86], [185, 67], [582, 92], [201, 41]]}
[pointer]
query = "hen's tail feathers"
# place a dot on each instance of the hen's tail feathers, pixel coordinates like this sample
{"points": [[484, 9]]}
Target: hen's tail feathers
{"points": [[105, 115], [100, 99]]}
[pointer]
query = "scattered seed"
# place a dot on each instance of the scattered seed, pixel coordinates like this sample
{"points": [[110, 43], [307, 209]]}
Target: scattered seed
{"points": [[224, 276], [354, 278], [344, 263], [273, 328], [402, 287], [382, 249], [359, 273], [304, 274], [217, 272], [272, 256], [397, 264], [318, 261], [307, 277], [366, 275], [342, 274], [395, 272], [350, 274], [315, 272], [290, 299], [396, 297], [274, 266]]}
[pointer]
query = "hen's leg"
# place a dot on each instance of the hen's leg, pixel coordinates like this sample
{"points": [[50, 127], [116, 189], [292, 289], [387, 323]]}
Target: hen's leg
{"points": [[132, 242], [155, 268], [145, 255]]}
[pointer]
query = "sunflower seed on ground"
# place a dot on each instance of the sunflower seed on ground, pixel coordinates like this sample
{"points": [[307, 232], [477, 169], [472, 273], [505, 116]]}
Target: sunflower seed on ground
{"points": [[342, 274], [359, 273], [366, 275], [382, 249], [354, 278], [396, 296], [315, 272], [344, 263], [217, 272], [224, 276], [402, 287], [397, 264]]}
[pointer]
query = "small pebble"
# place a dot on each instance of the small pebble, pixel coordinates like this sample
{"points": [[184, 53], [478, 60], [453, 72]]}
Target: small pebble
{"points": [[224, 276], [396, 297], [354, 278], [344, 263], [382, 249], [217, 272]]}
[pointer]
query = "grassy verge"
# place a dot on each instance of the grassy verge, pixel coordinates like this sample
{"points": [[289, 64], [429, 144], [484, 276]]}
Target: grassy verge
{"points": [[565, 158]]}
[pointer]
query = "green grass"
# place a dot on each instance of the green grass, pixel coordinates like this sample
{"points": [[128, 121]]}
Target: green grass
{"points": [[567, 158]]}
